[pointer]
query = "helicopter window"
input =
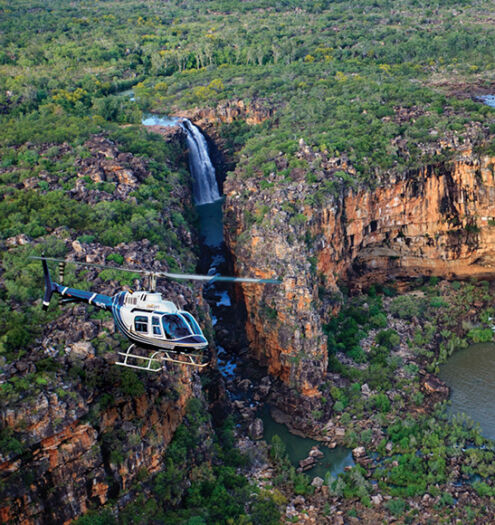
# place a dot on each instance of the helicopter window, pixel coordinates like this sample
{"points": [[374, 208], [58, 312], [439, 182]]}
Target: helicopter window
{"points": [[175, 327], [192, 323], [141, 323], [155, 322]]}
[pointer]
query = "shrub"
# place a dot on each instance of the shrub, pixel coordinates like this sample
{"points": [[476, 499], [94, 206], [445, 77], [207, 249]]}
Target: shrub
{"points": [[396, 506], [381, 402], [103, 517], [388, 338], [481, 335], [405, 307], [116, 257]]}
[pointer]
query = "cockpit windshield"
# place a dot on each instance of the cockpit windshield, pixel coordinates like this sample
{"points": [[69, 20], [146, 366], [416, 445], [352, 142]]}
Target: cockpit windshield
{"points": [[175, 327], [192, 323]]}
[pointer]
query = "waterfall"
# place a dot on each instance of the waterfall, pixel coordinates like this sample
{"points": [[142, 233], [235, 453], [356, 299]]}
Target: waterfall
{"points": [[205, 187]]}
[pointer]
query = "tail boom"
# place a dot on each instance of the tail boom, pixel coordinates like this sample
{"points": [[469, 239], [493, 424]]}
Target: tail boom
{"points": [[99, 300]]}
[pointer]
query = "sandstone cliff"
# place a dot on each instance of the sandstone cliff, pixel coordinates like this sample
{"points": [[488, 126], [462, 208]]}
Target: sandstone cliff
{"points": [[439, 220]]}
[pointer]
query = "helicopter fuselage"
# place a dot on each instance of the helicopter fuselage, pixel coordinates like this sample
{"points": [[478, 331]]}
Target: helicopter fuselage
{"points": [[145, 318]]}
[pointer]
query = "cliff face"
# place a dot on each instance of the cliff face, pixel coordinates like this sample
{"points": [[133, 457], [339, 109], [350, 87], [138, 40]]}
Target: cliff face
{"points": [[439, 220], [77, 454]]}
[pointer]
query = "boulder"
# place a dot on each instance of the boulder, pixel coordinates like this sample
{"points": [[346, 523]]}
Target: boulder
{"points": [[328, 426], [377, 499], [298, 500], [265, 386], [18, 240], [359, 452], [307, 463], [82, 350], [315, 452], [76, 246], [317, 482], [256, 429], [434, 385], [245, 384]]}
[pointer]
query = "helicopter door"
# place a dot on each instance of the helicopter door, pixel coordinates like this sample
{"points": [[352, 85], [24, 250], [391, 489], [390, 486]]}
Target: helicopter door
{"points": [[155, 323], [141, 323]]}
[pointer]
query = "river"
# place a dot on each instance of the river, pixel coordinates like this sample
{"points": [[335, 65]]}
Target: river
{"points": [[470, 374]]}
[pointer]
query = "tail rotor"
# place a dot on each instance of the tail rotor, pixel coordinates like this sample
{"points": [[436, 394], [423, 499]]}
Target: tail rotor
{"points": [[49, 285], [61, 274]]}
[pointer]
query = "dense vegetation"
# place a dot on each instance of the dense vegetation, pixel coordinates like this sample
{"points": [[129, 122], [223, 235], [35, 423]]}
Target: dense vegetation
{"points": [[353, 67], [383, 74], [49, 216]]}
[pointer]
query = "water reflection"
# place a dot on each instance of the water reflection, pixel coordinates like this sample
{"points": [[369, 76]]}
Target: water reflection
{"points": [[333, 461]]}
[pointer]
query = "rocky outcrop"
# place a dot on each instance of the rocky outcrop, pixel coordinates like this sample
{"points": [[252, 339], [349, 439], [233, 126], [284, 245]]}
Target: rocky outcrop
{"points": [[314, 231], [252, 112], [76, 453]]}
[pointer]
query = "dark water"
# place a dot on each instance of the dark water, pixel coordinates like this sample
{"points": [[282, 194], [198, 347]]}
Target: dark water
{"points": [[298, 448], [210, 223], [470, 373], [489, 100]]}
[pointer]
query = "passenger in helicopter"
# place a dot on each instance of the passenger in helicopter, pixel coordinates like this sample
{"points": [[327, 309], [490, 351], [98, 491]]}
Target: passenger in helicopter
{"points": [[175, 327]]}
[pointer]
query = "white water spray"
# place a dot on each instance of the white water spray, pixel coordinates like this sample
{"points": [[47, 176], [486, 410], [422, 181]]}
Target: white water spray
{"points": [[205, 187]]}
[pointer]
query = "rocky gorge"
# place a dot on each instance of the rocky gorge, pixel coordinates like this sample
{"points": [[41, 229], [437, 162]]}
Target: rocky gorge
{"points": [[107, 432]]}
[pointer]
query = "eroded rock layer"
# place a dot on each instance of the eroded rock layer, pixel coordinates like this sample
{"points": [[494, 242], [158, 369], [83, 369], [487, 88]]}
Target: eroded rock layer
{"points": [[77, 454], [439, 220]]}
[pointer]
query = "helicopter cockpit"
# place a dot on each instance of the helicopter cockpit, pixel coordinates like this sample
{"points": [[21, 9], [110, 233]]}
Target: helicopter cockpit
{"points": [[175, 326], [179, 326]]}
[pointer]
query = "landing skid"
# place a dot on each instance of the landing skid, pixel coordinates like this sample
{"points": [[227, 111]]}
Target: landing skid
{"points": [[157, 360]]}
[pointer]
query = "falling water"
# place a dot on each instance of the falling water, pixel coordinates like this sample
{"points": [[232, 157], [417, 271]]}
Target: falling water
{"points": [[205, 187]]}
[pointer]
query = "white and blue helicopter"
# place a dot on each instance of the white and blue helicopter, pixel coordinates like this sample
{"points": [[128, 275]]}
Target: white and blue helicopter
{"points": [[145, 318]]}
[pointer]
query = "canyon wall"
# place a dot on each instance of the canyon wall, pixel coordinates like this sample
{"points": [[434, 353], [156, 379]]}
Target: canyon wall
{"points": [[75, 453], [439, 220]]}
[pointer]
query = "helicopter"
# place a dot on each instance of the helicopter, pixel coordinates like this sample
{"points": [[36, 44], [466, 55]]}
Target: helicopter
{"points": [[148, 320]]}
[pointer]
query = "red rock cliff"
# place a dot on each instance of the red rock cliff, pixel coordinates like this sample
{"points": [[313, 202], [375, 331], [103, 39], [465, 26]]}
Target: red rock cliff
{"points": [[439, 220]]}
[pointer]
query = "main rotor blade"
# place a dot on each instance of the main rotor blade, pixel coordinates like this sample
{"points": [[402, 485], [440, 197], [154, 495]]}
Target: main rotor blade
{"points": [[182, 276], [217, 278]]}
